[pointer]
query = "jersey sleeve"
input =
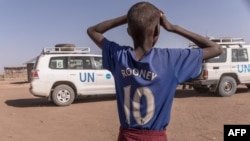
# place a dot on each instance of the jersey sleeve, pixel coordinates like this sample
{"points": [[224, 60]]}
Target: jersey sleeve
{"points": [[107, 55], [187, 63], [110, 54]]}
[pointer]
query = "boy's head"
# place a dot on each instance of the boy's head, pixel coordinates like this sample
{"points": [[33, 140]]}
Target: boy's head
{"points": [[143, 23]]}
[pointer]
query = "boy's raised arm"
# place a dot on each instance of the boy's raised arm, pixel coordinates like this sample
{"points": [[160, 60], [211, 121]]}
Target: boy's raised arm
{"points": [[210, 48], [96, 32]]}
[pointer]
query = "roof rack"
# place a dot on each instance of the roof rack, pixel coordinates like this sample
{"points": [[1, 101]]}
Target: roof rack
{"points": [[223, 41], [61, 50], [228, 41]]}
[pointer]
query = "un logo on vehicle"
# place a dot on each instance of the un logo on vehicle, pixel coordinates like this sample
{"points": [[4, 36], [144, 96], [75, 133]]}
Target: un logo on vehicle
{"points": [[108, 76]]}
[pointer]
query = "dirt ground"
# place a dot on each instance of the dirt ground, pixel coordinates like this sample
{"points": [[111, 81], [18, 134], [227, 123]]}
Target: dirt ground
{"points": [[195, 117]]}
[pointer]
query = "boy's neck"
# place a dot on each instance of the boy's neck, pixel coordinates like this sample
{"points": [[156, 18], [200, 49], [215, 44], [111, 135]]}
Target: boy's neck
{"points": [[141, 48], [140, 52]]}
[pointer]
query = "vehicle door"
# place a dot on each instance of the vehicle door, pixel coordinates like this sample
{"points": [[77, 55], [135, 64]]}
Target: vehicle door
{"points": [[240, 64], [217, 66], [103, 78], [58, 69], [81, 74]]}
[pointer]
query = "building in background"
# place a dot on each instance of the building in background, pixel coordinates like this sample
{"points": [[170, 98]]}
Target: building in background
{"points": [[15, 73], [19, 72]]}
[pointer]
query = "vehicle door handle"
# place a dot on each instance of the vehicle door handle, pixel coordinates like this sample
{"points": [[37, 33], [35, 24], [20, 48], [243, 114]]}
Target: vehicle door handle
{"points": [[216, 68], [99, 74], [73, 74]]}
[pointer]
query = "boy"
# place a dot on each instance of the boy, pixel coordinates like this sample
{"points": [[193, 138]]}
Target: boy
{"points": [[145, 77]]}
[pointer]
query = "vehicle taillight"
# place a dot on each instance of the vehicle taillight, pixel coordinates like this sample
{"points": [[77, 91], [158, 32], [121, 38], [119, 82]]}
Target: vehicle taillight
{"points": [[34, 74], [205, 74]]}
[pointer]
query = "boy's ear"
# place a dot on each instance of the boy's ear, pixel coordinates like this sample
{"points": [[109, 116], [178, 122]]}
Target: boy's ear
{"points": [[157, 30], [156, 33], [128, 30]]}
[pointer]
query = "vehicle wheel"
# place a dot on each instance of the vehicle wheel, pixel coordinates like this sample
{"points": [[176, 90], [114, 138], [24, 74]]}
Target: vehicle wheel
{"points": [[248, 86], [63, 95], [65, 47], [200, 89], [227, 86]]}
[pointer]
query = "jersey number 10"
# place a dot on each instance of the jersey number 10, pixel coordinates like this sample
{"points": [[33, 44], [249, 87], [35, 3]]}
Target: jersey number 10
{"points": [[139, 92]]}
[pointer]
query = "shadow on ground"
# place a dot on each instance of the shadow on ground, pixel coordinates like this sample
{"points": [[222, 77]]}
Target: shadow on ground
{"points": [[191, 93], [20, 82], [43, 102], [29, 102], [40, 102]]}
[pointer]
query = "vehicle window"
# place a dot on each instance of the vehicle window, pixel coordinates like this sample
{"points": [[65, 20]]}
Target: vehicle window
{"points": [[80, 62], [98, 62], [58, 63], [87, 63], [218, 59], [36, 62], [239, 55], [234, 55], [75, 63]]}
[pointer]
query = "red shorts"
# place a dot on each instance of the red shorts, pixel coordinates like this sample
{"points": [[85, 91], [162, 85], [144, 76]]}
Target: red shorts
{"points": [[141, 135]]}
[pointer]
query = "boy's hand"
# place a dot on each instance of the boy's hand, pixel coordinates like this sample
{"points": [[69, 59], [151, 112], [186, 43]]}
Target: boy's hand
{"points": [[165, 23]]}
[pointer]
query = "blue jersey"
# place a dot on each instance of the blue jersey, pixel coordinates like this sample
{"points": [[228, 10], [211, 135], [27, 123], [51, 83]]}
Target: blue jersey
{"points": [[145, 89]]}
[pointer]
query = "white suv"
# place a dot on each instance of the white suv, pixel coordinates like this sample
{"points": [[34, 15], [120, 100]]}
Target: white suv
{"points": [[63, 74], [222, 74]]}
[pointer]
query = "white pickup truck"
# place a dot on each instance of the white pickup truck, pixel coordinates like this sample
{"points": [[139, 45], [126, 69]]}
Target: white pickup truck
{"points": [[222, 74], [61, 74]]}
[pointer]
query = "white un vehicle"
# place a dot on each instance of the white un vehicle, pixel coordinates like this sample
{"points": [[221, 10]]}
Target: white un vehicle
{"points": [[222, 74], [63, 73]]}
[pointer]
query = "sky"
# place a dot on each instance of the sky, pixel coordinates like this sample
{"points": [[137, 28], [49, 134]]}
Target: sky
{"points": [[28, 26]]}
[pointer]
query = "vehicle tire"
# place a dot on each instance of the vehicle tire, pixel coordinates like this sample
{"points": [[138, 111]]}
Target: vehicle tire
{"points": [[227, 86], [65, 47], [63, 95], [201, 89], [248, 86]]}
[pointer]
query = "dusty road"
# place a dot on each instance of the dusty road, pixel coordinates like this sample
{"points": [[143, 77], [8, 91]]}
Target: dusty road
{"points": [[195, 117]]}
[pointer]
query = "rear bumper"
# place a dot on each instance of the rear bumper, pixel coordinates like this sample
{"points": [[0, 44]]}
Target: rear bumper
{"points": [[202, 82], [211, 84], [39, 89]]}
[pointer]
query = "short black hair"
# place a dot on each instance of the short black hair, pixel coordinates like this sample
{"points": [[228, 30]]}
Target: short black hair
{"points": [[142, 18]]}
